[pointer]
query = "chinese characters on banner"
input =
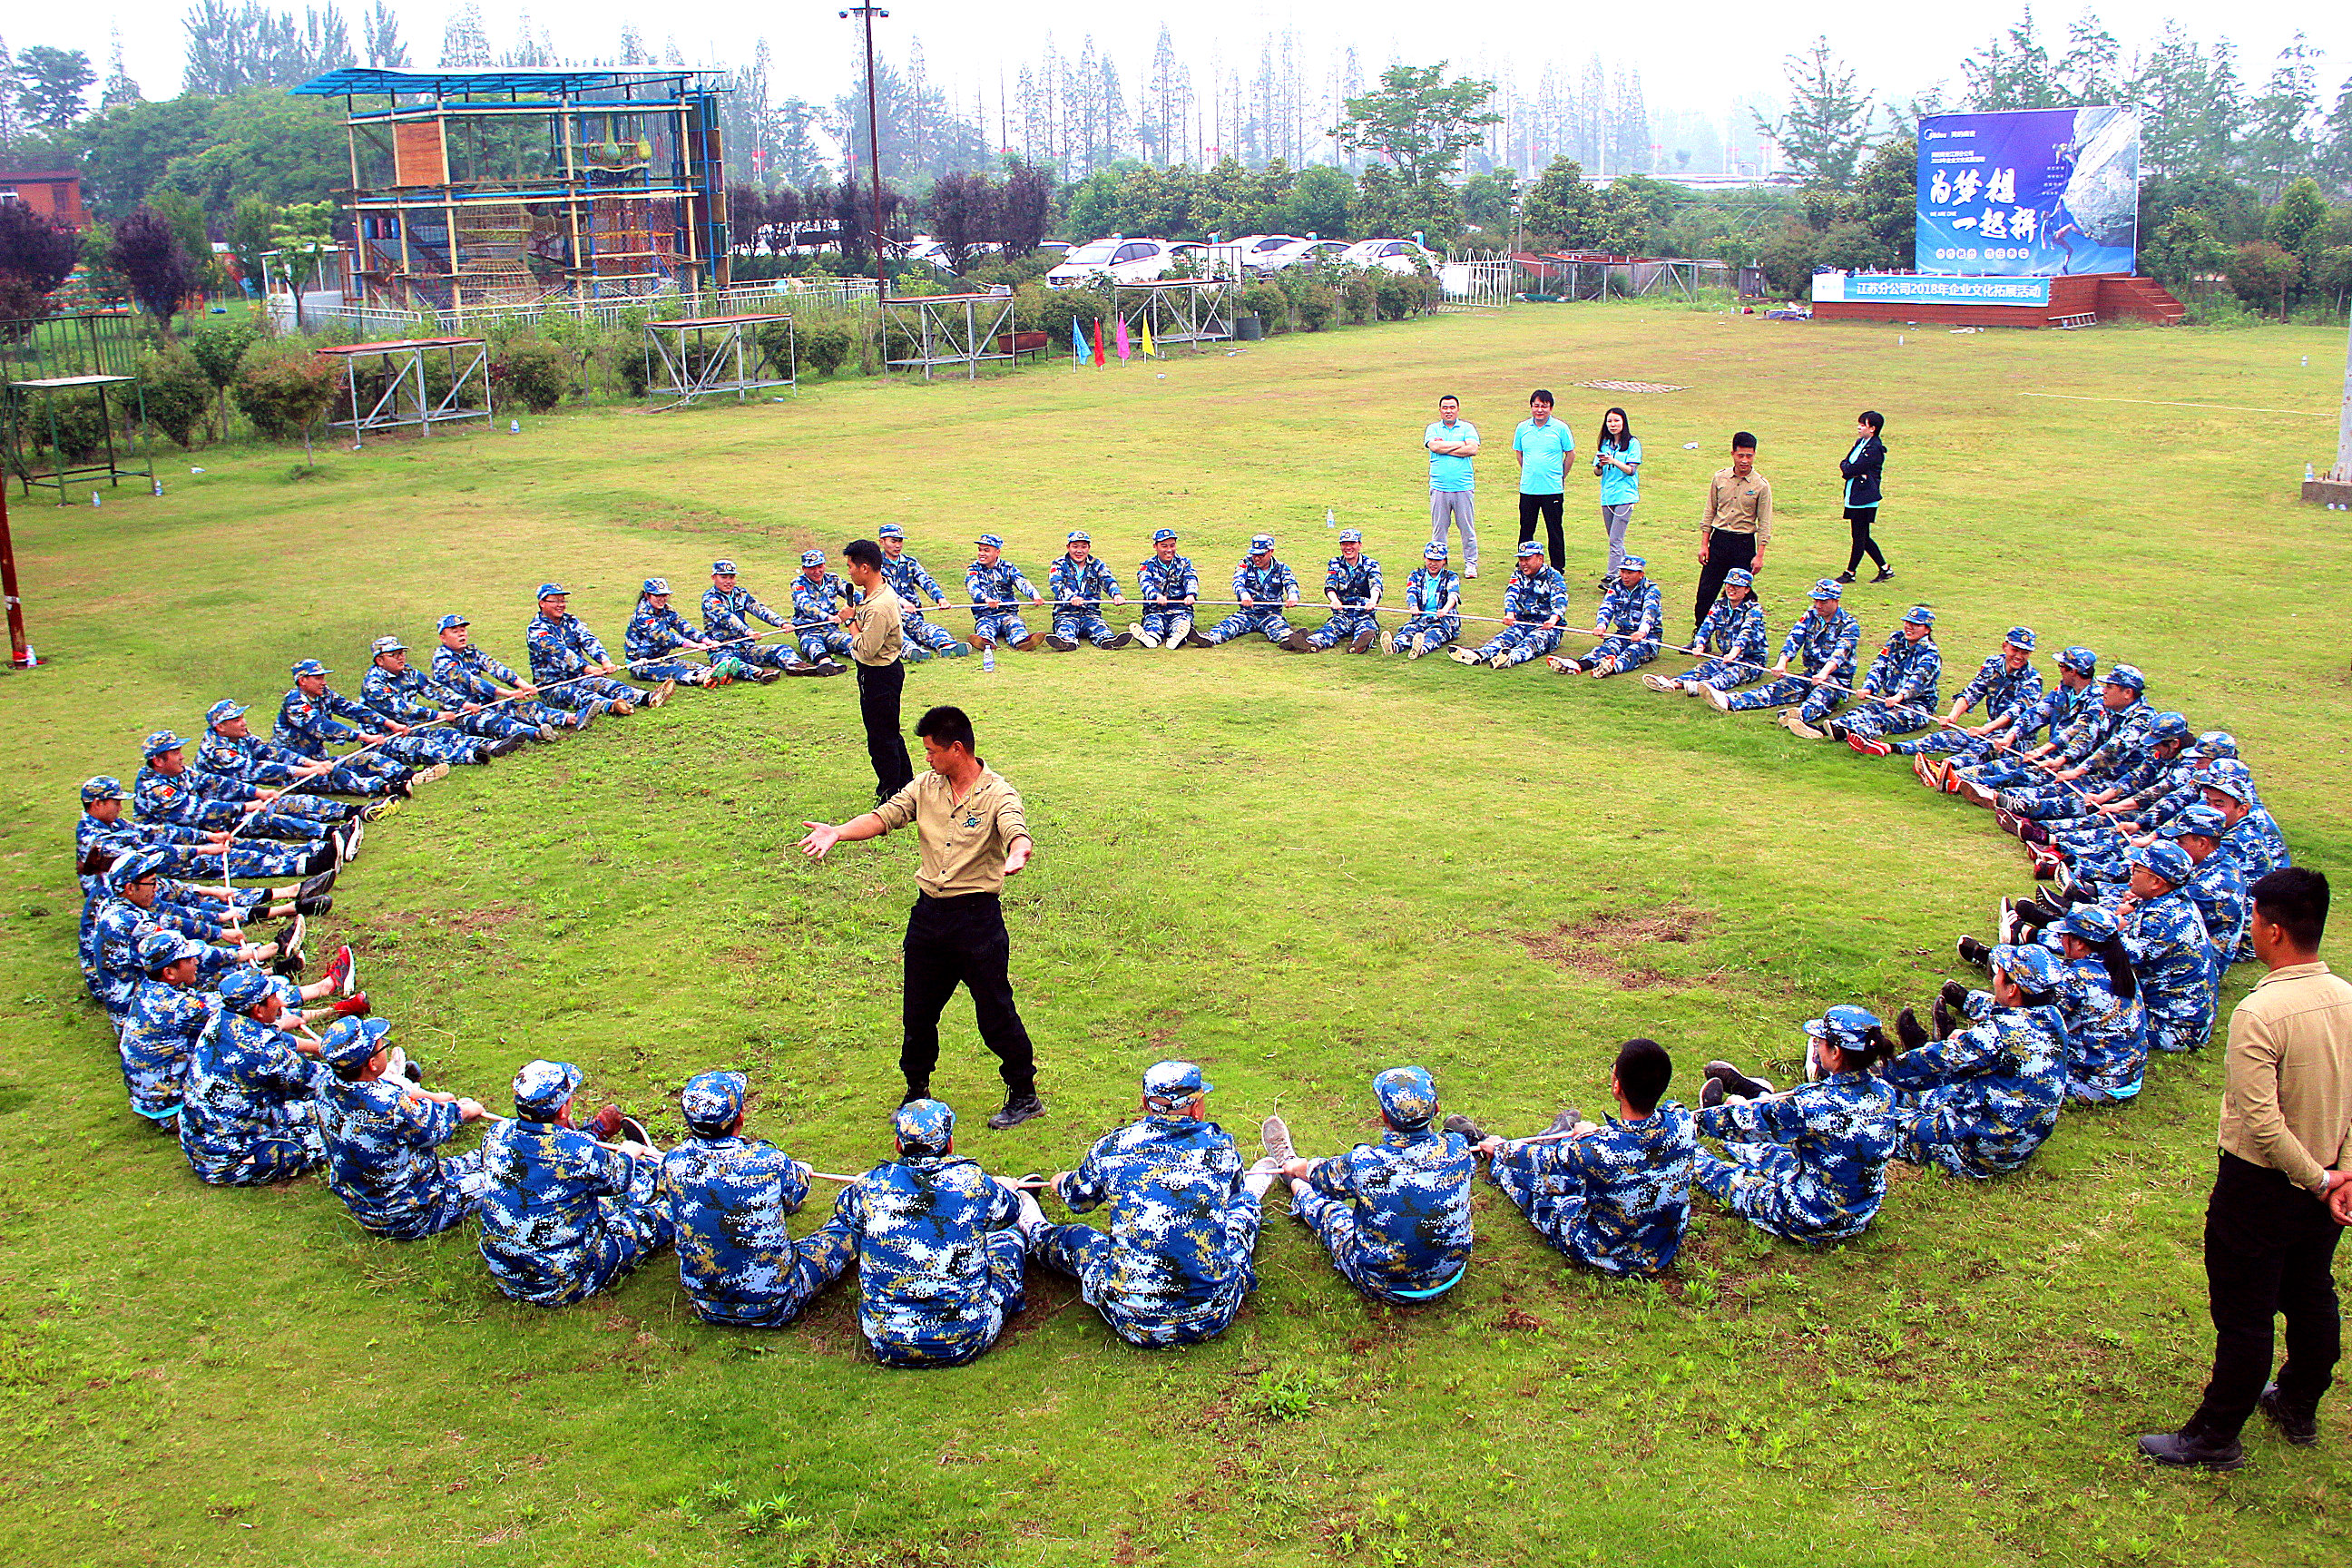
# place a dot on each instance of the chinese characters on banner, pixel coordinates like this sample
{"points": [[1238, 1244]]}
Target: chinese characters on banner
{"points": [[2030, 192]]}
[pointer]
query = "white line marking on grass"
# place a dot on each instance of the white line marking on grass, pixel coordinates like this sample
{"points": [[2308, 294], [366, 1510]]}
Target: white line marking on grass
{"points": [[2159, 402]]}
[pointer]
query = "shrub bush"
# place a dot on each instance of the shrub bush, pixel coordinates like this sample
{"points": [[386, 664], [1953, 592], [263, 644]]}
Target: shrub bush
{"points": [[284, 391], [1315, 307], [1265, 300], [179, 394], [1362, 294], [825, 345], [533, 371]]}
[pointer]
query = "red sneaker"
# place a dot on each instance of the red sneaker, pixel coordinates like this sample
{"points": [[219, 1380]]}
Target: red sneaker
{"points": [[1868, 745], [342, 972], [352, 1006]]}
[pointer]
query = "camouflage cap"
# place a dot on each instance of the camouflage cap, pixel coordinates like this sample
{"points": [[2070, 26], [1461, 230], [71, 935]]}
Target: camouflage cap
{"points": [[134, 866], [924, 1124], [1630, 563], [1436, 552], [2019, 636], [654, 586], [1739, 578], [2205, 821], [159, 948], [1843, 1025], [350, 1042], [382, 646], [543, 1088], [1173, 1085], [304, 667], [451, 623], [246, 988], [1080, 536], [1408, 1096], [712, 1101], [2217, 744], [1352, 536], [161, 741], [552, 591], [222, 712], [2094, 923], [993, 541], [1827, 588], [105, 786], [1260, 543], [1158, 534], [722, 569], [1919, 616], [2168, 726], [2080, 659], [889, 530], [2126, 676], [2166, 859], [2033, 966], [2230, 778], [812, 558], [1529, 547]]}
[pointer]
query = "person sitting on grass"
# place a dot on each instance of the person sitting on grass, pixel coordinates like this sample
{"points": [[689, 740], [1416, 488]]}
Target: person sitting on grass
{"points": [[1351, 586], [2098, 996], [1177, 1263], [2006, 686], [313, 715], [656, 633], [167, 790], [1395, 1214], [380, 1132], [1611, 1196], [1824, 637], [248, 1113], [169, 1014], [940, 1245], [1168, 589], [728, 1196], [2064, 711], [124, 915], [996, 588], [1628, 622], [463, 667], [398, 690], [569, 667], [1980, 1102], [1899, 693], [818, 596], [913, 585], [1263, 587], [1079, 583], [566, 1215], [1808, 1165], [728, 611], [229, 747], [1534, 610], [1434, 593], [1731, 642]]}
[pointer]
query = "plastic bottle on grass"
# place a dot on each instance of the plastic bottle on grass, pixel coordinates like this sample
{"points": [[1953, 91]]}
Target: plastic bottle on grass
{"points": [[988, 653], [1330, 520]]}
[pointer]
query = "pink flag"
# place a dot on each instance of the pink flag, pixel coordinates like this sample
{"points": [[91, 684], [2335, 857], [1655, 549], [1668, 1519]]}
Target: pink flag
{"points": [[1122, 338]]}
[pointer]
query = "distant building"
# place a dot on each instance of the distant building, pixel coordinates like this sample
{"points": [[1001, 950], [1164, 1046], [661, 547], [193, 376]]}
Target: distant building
{"points": [[55, 194]]}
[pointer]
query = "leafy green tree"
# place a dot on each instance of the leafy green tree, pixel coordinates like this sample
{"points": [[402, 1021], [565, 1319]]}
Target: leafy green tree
{"points": [[1318, 202], [249, 228], [265, 144], [218, 347], [2299, 212], [2279, 143], [53, 86], [187, 221], [1827, 126], [304, 238], [2011, 69], [2183, 249], [2264, 274], [1484, 204], [1887, 198], [1418, 120], [125, 149], [1563, 212], [2188, 105]]}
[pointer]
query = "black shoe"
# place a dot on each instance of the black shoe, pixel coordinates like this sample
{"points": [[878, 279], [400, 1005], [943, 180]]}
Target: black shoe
{"points": [[1740, 1086], [1909, 1030], [323, 860], [1955, 996], [1296, 643], [1885, 574], [1468, 1127], [1018, 1109], [321, 884], [1710, 1094], [1947, 1020], [1061, 645], [505, 746], [1195, 639], [2031, 915], [2300, 1427], [1833, 730], [1975, 951], [1845, 576], [2195, 1449], [314, 904], [1122, 640]]}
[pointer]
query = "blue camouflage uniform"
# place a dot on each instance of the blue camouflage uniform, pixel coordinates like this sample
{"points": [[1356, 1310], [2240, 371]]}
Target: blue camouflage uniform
{"points": [[247, 1113], [1732, 639], [2066, 713], [411, 698], [561, 647], [185, 850], [995, 590], [1395, 1214], [1628, 621], [1428, 590], [1079, 589], [271, 765], [726, 618], [1822, 646], [1530, 602], [2093, 838], [939, 1259], [563, 1215], [1907, 675], [117, 926], [728, 1197], [654, 634], [2172, 954], [1980, 1102], [2123, 749], [814, 600], [914, 587], [2107, 1032], [208, 802], [161, 1030], [381, 1138], [310, 724], [476, 675], [1176, 1264], [2151, 775], [1269, 588], [2217, 888], [1173, 579], [2002, 693], [2255, 838], [1810, 1167], [1617, 1199], [1353, 583]]}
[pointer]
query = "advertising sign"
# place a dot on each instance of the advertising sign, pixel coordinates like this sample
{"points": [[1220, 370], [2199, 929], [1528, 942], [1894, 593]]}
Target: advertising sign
{"points": [[1912, 288], [2029, 192]]}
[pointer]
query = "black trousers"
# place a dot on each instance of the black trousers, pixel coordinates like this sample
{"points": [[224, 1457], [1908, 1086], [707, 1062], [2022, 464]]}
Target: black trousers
{"points": [[878, 690], [1547, 507], [961, 940], [2270, 1248], [1723, 551], [1858, 519]]}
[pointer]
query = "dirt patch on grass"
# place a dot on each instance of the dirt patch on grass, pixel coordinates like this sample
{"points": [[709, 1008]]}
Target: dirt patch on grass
{"points": [[1608, 946], [482, 917]]}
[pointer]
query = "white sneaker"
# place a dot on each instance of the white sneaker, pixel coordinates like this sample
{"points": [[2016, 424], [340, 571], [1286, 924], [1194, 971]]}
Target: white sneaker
{"points": [[1464, 656], [1261, 1178], [1559, 666], [1420, 644], [1146, 638], [1471, 570], [1689, 688], [1717, 699], [1178, 632], [1660, 683]]}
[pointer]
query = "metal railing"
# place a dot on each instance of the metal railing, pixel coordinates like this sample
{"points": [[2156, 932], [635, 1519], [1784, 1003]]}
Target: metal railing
{"points": [[784, 294]]}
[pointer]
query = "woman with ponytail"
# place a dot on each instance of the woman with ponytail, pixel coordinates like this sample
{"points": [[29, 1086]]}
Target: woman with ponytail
{"points": [[1980, 1102]]}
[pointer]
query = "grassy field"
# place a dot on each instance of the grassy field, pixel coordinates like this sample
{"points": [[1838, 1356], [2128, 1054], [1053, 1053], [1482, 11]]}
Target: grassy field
{"points": [[1296, 871]]}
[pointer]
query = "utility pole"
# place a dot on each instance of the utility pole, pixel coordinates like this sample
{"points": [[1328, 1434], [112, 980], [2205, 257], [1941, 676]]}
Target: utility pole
{"points": [[874, 152]]}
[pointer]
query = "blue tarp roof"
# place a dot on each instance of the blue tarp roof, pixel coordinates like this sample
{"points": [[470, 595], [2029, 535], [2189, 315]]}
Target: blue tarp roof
{"points": [[354, 79]]}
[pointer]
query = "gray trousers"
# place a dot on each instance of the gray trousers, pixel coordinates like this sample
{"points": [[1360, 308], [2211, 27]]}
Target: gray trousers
{"points": [[1615, 519], [1461, 507]]}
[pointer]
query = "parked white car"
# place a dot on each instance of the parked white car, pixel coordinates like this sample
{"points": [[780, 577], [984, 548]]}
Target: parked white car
{"points": [[1117, 259], [1389, 255], [1257, 250], [1298, 251]]}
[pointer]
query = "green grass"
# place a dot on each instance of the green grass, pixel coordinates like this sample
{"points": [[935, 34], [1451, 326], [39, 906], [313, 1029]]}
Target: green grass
{"points": [[1296, 871]]}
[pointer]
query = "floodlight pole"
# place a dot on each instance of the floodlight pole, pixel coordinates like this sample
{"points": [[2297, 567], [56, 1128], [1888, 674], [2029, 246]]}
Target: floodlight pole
{"points": [[874, 152]]}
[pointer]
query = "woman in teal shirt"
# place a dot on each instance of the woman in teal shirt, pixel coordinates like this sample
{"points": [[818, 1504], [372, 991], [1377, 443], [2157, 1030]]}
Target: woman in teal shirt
{"points": [[1617, 458]]}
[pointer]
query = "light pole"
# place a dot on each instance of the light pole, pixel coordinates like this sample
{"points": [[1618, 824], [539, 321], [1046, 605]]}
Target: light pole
{"points": [[873, 150]]}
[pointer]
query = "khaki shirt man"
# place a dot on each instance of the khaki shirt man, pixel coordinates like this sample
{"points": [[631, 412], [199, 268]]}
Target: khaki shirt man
{"points": [[1738, 501], [878, 639], [2287, 1099]]}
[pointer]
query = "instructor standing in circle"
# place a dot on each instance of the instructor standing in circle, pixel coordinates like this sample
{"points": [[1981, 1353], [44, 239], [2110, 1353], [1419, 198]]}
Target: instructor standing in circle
{"points": [[973, 835]]}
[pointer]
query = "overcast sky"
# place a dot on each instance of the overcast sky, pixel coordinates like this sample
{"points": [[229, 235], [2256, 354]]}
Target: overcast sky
{"points": [[1706, 52]]}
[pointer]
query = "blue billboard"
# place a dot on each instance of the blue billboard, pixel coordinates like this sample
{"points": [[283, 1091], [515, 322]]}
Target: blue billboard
{"points": [[2029, 192]]}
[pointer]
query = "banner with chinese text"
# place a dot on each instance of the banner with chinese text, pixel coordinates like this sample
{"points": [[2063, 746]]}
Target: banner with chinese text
{"points": [[2031, 193]]}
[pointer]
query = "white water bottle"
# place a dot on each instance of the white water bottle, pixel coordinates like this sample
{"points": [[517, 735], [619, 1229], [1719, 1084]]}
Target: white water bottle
{"points": [[988, 653], [1330, 520]]}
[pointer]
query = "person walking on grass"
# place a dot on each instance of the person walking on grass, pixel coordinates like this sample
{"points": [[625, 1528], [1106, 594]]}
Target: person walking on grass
{"points": [[1617, 461], [877, 623], [1860, 469], [2283, 1193], [974, 835], [1734, 524], [1542, 446], [1452, 442]]}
